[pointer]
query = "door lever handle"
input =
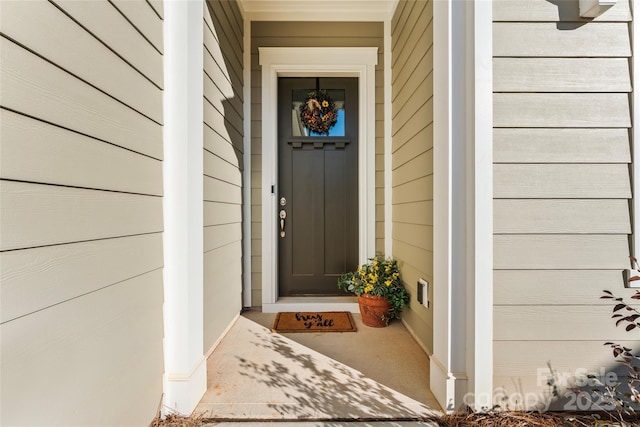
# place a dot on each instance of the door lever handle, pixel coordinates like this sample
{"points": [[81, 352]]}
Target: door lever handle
{"points": [[283, 215]]}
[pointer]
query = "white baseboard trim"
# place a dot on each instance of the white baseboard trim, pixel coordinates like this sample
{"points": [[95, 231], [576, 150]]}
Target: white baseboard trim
{"points": [[415, 337], [449, 388], [183, 391], [221, 337]]}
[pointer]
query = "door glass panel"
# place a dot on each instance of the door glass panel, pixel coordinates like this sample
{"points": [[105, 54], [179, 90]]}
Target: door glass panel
{"points": [[298, 128]]}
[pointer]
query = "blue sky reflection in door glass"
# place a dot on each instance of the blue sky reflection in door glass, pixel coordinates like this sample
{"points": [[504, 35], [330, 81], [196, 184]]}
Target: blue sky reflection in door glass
{"points": [[336, 130]]}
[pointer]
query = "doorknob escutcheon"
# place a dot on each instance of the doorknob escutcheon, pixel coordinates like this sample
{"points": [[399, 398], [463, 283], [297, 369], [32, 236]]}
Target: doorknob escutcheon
{"points": [[283, 215]]}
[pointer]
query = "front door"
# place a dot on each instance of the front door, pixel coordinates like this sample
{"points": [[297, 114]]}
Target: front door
{"points": [[318, 184]]}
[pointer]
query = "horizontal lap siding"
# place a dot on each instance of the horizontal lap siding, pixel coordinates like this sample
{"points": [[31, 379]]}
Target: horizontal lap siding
{"points": [[36, 215], [81, 212], [562, 181], [557, 145], [558, 216], [550, 39], [524, 363], [412, 154], [561, 74], [561, 110], [561, 186], [113, 28], [546, 11], [223, 153], [309, 34], [92, 358], [53, 95]]}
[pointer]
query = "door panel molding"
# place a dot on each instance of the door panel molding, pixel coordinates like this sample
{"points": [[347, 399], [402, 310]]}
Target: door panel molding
{"points": [[318, 179], [315, 62]]}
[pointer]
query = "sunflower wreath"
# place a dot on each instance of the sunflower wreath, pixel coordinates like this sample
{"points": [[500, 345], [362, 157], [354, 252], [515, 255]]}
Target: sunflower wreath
{"points": [[318, 112]]}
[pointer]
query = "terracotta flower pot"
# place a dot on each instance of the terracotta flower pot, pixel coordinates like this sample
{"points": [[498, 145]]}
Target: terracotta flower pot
{"points": [[374, 310]]}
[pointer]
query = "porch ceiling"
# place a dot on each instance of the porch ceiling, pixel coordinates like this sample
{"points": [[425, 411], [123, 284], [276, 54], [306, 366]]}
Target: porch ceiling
{"points": [[312, 10]]}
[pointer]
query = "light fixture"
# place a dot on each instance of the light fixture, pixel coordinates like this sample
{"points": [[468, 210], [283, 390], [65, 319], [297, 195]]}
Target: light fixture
{"points": [[594, 8]]}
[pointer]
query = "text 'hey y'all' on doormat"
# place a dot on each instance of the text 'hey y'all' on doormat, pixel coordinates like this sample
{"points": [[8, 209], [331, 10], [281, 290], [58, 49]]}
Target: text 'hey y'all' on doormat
{"points": [[332, 321]]}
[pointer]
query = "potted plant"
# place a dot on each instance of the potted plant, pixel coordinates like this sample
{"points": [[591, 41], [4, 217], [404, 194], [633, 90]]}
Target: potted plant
{"points": [[377, 284]]}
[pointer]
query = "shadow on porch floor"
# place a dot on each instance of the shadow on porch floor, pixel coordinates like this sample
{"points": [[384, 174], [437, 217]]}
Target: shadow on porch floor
{"points": [[373, 374]]}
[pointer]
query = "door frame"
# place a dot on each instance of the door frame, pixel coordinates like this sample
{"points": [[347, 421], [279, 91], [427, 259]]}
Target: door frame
{"points": [[277, 62]]}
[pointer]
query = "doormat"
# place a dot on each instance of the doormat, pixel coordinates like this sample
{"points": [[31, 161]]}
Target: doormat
{"points": [[331, 321]]}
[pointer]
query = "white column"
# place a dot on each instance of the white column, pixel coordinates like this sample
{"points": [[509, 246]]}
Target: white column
{"points": [[462, 360], [185, 378], [480, 281], [442, 379], [388, 165]]}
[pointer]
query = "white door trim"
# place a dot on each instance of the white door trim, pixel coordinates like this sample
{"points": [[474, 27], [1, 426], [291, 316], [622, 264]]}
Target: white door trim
{"points": [[315, 62]]}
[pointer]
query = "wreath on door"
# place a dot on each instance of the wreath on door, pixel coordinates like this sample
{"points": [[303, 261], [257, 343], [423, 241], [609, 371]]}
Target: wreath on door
{"points": [[318, 112]]}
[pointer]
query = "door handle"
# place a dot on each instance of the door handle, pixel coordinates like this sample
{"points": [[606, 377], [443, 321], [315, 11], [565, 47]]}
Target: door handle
{"points": [[283, 215]]}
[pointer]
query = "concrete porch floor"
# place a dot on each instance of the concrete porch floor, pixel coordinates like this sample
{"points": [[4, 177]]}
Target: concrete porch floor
{"points": [[373, 377]]}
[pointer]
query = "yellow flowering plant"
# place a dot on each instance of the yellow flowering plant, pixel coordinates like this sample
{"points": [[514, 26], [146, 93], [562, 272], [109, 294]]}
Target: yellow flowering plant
{"points": [[380, 277]]}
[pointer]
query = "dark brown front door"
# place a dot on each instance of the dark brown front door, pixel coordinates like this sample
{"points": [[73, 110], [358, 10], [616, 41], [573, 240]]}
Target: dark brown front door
{"points": [[318, 185]]}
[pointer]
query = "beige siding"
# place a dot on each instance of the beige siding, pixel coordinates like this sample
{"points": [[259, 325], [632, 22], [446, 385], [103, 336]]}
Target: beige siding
{"points": [[36, 215], [557, 145], [561, 187], [106, 23], [561, 181], [561, 110], [412, 154], [561, 74], [547, 39], [33, 84], [549, 11], [561, 216], [94, 357], [521, 369], [223, 151], [558, 251], [515, 362], [311, 34], [81, 212], [581, 287], [41, 142]]}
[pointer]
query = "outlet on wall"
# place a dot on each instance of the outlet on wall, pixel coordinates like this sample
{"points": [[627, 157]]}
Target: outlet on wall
{"points": [[423, 292]]}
